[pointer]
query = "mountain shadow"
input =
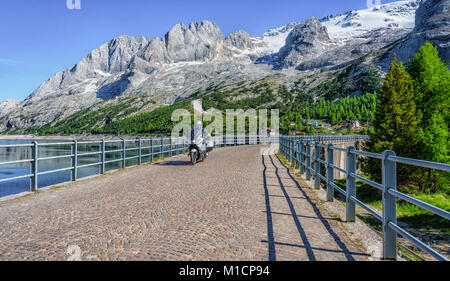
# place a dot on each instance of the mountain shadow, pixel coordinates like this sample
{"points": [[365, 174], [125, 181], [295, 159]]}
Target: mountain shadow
{"points": [[114, 89]]}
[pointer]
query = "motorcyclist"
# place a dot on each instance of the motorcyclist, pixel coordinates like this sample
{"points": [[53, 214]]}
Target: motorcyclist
{"points": [[202, 137]]}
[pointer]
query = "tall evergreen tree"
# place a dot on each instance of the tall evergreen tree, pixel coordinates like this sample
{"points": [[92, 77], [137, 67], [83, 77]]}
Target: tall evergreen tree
{"points": [[431, 80], [396, 124]]}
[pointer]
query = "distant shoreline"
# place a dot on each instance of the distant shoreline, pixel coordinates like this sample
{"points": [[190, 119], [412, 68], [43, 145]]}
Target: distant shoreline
{"points": [[33, 137], [25, 137], [86, 137]]}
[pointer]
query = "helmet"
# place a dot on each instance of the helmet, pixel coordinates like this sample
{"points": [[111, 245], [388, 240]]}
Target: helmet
{"points": [[198, 124]]}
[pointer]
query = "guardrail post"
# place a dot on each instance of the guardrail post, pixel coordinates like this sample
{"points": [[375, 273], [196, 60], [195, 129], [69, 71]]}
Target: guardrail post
{"points": [[176, 146], [170, 147], [291, 151], [124, 152], [308, 160], [389, 174], [297, 155], [351, 185], [316, 166], [330, 174], [287, 147], [162, 148], [74, 160], [180, 145], [302, 157], [102, 149], [151, 150], [34, 166], [281, 146], [139, 151]]}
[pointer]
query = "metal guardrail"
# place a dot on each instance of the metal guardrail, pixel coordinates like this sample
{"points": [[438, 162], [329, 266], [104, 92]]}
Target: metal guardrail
{"points": [[299, 149], [157, 148], [329, 138]]}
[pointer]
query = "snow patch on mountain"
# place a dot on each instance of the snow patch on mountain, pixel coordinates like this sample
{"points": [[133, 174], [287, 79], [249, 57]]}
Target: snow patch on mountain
{"points": [[348, 26], [353, 24], [274, 39]]}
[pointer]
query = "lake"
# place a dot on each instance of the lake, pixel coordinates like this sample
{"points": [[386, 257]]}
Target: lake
{"points": [[21, 153]]}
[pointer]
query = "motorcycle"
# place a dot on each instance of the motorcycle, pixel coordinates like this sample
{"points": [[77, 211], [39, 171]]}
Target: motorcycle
{"points": [[199, 149]]}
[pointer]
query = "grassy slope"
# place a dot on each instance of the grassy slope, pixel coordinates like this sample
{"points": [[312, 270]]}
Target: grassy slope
{"points": [[413, 215]]}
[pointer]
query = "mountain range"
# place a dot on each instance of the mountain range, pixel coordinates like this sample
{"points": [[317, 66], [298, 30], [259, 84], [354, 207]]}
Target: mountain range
{"points": [[196, 59]]}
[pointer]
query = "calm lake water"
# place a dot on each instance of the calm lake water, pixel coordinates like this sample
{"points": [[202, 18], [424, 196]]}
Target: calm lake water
{"points": [[20, 153]]}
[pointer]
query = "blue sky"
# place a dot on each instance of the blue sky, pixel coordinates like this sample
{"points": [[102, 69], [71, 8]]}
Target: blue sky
{"points": [[43, 37]]}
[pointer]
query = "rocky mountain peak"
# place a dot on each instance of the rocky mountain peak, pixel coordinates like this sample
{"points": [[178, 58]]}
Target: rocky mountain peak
{"points": [[240, 39], [433, 25], [200, 42], [306, 40]]}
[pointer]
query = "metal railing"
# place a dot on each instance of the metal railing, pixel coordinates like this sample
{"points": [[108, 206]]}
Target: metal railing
{"points": [[329, 138], [298, 149], [156, 148]]}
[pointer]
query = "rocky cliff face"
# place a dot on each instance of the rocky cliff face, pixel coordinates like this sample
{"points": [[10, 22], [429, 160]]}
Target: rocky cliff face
{"points": [[336, 40], [241, 40], [189, 58], [201, 42], [306, 40], [8, 105], [433, 25]]}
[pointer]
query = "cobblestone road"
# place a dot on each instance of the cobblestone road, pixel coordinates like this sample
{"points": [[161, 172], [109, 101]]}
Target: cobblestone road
{"points": [[237, 205]]}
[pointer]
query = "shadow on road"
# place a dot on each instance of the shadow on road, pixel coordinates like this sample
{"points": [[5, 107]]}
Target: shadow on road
{"points": [[296, 217], [300, 229], [271, 241], [174, 163], [301, 216]]}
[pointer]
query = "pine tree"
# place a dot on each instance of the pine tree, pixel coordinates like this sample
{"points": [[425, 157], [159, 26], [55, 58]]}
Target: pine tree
{"points": [[396, 124], [431, 80]]}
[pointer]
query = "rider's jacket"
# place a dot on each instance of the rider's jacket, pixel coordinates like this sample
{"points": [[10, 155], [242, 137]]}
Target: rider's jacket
{"points": [[201, 135]]}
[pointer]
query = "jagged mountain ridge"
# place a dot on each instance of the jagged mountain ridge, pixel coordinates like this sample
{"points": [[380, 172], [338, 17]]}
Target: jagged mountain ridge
{"points": [[433, 25], [188, 58]]}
